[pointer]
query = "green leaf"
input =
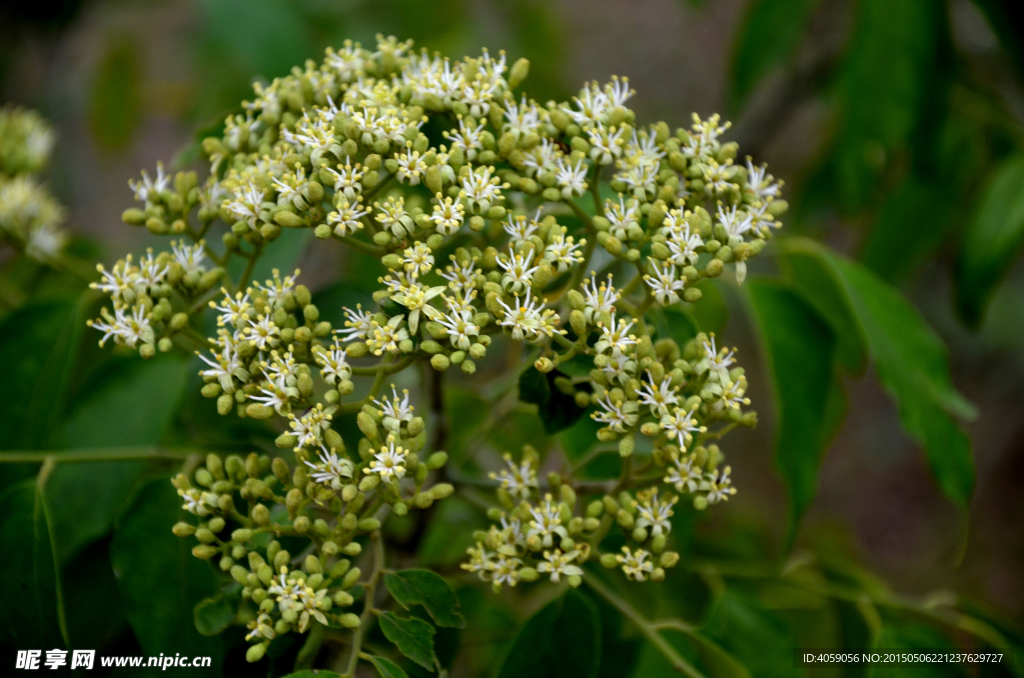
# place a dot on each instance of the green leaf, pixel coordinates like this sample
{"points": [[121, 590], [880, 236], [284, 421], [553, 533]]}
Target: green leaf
{"points": [[449, 533], [759, 640], [909, 357], [212, 615], [890, 64], [413, 637], [38, 347], [29, 596], [283, 254], [387, 668], [313, 674], [159, 578], [993, 240], [142, 400], [680, 325], [770, 33], [423, 587], [563, 639], [799, 347], [557, 410]]}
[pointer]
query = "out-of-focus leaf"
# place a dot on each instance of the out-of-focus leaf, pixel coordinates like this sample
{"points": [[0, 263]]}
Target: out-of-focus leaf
{"points": [[800, 348], [563, 639], [386, 668], [282, 254], [160, 580], [212, 615], [910, 358], [757, 639], [449, 533], [423, 587], [897, 38], [680, 325], [711, 312], [332, 300], [993, 240], [95, 617], [413, 637], [28, 599], [913, 637], [770, 33], [557, 410], [37, 349], [115, 100]]}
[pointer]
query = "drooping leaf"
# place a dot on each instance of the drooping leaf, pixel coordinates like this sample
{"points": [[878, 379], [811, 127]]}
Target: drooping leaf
{"points": [[413, 637], [92, 603], [423, 587], [212, 615], [909, 357], [770, 33], [992, 241], [159, 579], [387, 668], [759, 640], [28, 599], [563, 639], [799, 347]]}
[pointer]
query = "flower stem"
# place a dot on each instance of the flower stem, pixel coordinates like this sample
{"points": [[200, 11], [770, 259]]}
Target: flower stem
{"points": [[647, 628], [367, 616]]}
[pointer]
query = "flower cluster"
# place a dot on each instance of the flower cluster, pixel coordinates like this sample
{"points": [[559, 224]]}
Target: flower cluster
{"points": [[30, 217], [246, 509], [487, 212]]}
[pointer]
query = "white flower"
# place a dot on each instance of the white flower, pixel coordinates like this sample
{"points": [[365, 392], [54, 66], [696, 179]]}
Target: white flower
{"points": [[686, 475], [655, 514], [46, 242], [358, 324], [635, 564], [148, 190], [461, 277], [348, 182], [347, 219], [543, 156], [571, 179], [761, 182], [505, 570], [190, 257], [561, 252], [642, 180], [518, 274], [658, 397], [718, 362], [736, 223], [615, 336], [263, 334], [150, 271], [393, 217], [558, 563], [619, 416], [448, 216], [418, 259], [387, 337], [680, 425], [389, 462], [459, 325], [127, 330], [547, 522], [664, 284], [467, 138], [481, 189], [411, 166], [621, 216], [519, 227], [605, 144], [334, 365], [247, 202], [720, 486], [519, 480], [330, 469], [277, 289], [599, 299], [396, 410], [524, 318], [522, 119]]}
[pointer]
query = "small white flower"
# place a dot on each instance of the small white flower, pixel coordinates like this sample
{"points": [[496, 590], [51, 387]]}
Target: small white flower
{"points": [[448, 216], [148, 190], [547, 522], [664, 284], [518, 274], [720, 486], [616, 337], [619, 416], [558, 564], [680, 425], [655, 514], [658, 397], [685, 475], [331, 468], [635, 564], [519, 481], [348, 218], [389, 462], [358, 324], [418, 259], [459, 325], [571, 179], [396, 410]]}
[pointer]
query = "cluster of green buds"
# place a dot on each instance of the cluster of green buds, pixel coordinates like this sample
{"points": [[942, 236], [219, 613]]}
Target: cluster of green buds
{"points": [[30, 218], [286, 537]]}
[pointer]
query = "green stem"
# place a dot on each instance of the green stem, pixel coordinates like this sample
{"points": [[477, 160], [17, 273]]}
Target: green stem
{"points": [[645, 627], [95, 454], [358, 245], [311, 648], [367, 615], [244, 280]]}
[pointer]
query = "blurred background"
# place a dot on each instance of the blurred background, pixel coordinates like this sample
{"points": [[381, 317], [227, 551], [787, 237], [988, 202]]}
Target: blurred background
{"points": [[886, 120]]}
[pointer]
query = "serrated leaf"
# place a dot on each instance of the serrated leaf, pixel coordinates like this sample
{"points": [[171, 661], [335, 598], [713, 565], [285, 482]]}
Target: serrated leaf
{"points": [[563, 639], [413, 637], [799, 347], [212, 615], [769, 35], [423, 587], [993, 240], [387, 668], [159, 579], [909, 357]]}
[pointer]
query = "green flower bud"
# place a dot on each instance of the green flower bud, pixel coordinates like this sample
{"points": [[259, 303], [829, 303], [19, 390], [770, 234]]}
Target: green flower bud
{"points": [[608, 560], [183, 530], [261, 515], [205, 551], [349, 620], [255, 653]]}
